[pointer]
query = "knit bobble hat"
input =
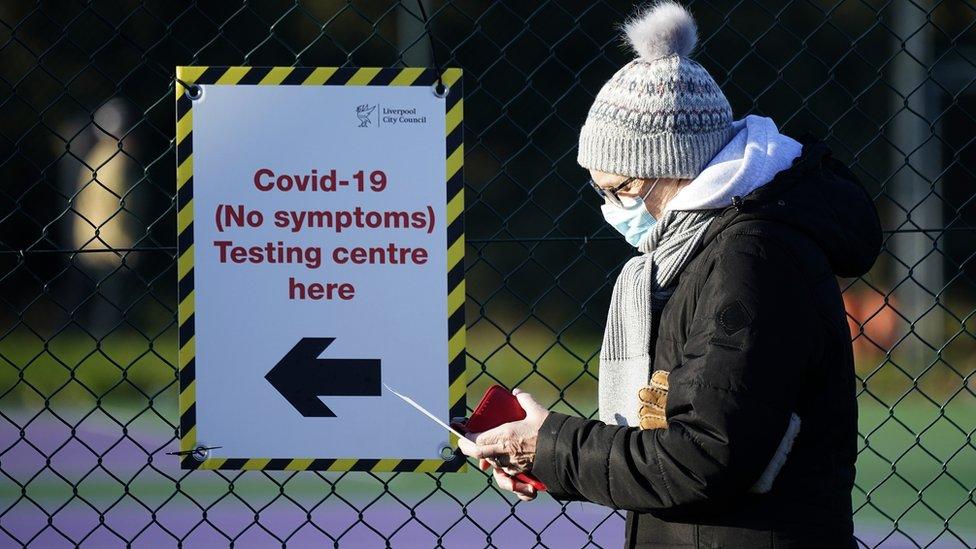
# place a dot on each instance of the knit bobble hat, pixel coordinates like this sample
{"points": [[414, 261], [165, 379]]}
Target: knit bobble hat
{"points": [[662, 114]]}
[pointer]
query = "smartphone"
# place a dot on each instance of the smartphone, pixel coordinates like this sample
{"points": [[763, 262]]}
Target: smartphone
{"points": [[497, 406]]}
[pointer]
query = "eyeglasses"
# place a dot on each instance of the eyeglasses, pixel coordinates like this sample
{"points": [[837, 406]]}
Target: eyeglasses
{"points": [[611, 194]]}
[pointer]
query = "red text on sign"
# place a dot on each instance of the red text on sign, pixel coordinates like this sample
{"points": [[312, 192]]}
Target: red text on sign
{"points": [[317, 291]]}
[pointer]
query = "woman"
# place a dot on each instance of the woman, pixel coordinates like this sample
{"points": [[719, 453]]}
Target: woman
{"points": [[727, 402]]}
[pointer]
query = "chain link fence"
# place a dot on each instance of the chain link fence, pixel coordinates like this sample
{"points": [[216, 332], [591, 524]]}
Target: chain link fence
{"points": [[88, 385]]}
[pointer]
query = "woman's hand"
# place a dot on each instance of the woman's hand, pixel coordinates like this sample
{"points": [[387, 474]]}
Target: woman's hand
{"points": [[525, 492], [510, 447]]}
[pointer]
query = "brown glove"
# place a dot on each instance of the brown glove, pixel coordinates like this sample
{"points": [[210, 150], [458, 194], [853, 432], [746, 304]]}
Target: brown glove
{"points": [[654, 398]]}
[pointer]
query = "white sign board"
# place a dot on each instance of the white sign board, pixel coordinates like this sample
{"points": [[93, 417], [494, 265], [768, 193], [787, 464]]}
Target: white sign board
{"points": [[320, 255]]}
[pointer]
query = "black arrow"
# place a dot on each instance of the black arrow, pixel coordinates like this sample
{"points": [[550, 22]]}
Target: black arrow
{"points": [[300, 376]]}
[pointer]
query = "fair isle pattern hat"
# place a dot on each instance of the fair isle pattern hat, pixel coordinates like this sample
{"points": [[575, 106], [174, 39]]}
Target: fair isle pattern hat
{"points": [[662, 114]]}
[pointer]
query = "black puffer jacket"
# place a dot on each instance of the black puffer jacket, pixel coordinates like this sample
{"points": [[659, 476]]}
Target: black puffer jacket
{"points": [[754, 331]]}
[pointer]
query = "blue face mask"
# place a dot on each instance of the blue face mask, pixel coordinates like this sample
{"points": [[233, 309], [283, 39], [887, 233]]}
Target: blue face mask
{"points": [[633, 220]]}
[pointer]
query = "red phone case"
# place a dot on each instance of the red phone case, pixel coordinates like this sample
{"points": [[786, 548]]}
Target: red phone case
{"points": [[499, 406]]}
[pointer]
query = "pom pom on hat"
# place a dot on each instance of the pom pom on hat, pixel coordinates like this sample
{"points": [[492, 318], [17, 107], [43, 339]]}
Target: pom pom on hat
{"points": [[665, 28], [661, 114]]}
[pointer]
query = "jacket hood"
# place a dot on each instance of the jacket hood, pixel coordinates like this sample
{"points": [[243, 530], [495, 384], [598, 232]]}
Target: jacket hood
{"points": [[818, 195], [751, 158]]}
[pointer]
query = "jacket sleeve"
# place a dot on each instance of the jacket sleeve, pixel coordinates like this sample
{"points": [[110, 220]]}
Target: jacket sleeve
{"points": [[729, 402]]}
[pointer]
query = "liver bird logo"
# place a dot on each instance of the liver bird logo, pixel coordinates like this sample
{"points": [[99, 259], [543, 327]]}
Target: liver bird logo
{"points": [[363, 112]]}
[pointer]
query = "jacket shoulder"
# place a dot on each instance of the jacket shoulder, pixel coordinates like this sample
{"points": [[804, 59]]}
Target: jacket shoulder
{"points": [[789, 256], [772, 241]]}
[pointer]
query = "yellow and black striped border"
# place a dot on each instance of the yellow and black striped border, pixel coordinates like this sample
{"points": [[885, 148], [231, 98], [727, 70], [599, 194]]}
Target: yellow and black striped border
{"points": [[320, 76]]}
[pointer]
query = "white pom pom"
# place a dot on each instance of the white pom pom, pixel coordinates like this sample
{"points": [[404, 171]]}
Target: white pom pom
{"points": [[663, 29]]}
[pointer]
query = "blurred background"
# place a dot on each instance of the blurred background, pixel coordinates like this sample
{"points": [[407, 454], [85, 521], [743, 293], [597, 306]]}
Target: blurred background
{"points": [[88, 393]]}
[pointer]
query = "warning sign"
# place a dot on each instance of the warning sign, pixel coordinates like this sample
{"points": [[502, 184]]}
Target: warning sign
{"points": [[321, 255]]}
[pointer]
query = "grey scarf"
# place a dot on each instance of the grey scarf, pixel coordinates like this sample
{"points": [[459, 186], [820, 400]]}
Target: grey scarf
{"points": [[645, 283]]}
